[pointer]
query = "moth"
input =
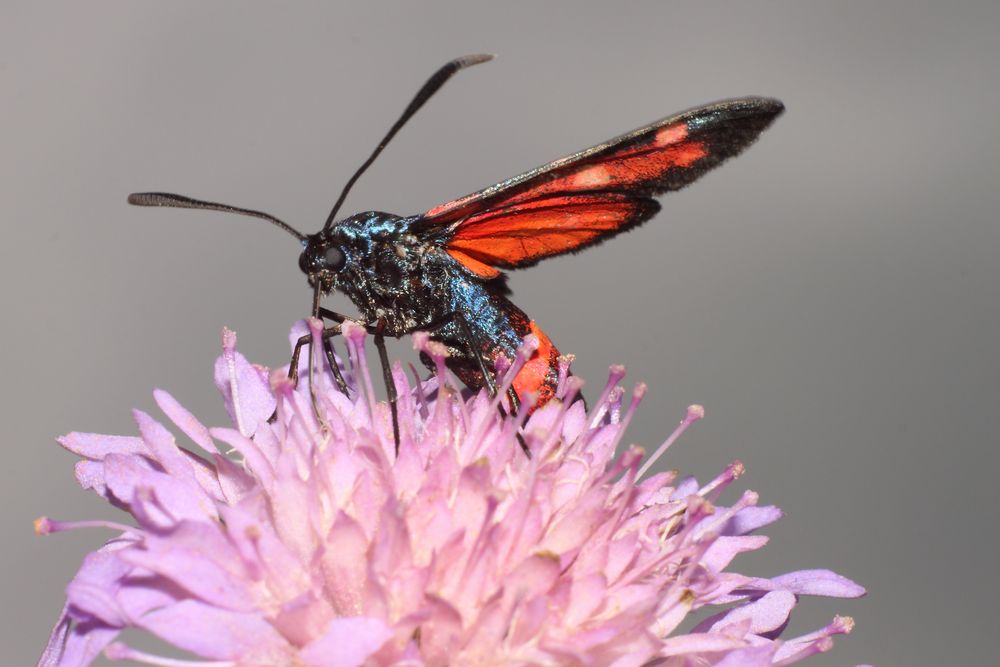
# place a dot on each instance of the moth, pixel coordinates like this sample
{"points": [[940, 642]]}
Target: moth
{"points": [[442, 271]]}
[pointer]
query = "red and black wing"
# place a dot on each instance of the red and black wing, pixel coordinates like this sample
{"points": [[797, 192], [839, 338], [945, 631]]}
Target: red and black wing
{"points": [[581, 199]]}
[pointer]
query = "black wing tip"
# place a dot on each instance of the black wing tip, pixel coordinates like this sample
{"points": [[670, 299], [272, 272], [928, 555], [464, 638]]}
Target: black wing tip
{"points": [[768, 106], [745, 117], [742, 107]]}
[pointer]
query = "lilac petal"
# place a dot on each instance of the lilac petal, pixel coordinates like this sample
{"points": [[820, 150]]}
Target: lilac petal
{"points": [[347, 642], [289, 499], [197, 574], [407, 404], [120, 475], [252, 455], [800, 648], [177, 464], [469, 507], [76, 644], [261, 550], [162, 446], [491, 623], [164, 500], [724, 585], [535, 576], [97, 602], [303, 618], [724, 549], [234, 481], [635, 658], [442, 632], [141, 593], [750, 519], [765, 615], [91, 592], [95, 446], [90, 475], [184, 420], [699, 642], [818, 582], [344, 565], [653, 490], [601, 445], [391, 558], [215, 633], [687, 487], [54, 650], [574, 422], [756, 656], [247, 396], [587, 596]]}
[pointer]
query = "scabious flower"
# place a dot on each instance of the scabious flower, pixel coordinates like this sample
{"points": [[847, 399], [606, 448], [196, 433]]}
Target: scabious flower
{"points": [[310, 542]]}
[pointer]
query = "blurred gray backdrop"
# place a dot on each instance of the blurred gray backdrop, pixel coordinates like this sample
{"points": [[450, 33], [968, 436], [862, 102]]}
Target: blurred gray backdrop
{"points": [[830, 296]]}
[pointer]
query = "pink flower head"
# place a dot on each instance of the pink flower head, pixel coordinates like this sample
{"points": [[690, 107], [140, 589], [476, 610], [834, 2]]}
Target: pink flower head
{"points": [[307, 541]]}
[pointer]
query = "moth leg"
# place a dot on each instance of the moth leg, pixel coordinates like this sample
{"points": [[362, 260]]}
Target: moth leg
{"points": [[326, 314], [372, 329], [377, 330], [293, 365], [390, 384], [328, 333], [293, 371], [328, 349], [515, 403], [473, 346]]}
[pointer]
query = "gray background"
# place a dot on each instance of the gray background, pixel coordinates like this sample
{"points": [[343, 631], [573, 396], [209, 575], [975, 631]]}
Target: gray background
{"points": [[830, 296]]}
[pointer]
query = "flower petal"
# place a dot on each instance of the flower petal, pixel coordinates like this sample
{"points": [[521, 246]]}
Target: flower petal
{"points": [[76, 644], [750, 519], [819, 582], [347, 642], [766, 614], [247, 396], [95, 446], [215, 633]]}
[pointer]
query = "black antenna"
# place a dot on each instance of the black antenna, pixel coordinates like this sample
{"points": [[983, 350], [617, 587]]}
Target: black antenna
{"points": [[437, 80], [180, 201]]}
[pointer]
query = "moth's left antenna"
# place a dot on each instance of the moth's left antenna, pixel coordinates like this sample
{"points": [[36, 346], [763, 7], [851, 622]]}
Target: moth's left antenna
{"points": [[180, 201]]}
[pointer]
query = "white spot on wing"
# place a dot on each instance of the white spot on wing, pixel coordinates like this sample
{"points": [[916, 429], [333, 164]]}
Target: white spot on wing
{"points": [[592, 177]]}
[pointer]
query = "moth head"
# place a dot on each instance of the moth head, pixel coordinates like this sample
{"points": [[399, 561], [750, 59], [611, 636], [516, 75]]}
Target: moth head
{"points": [[322, 260]]}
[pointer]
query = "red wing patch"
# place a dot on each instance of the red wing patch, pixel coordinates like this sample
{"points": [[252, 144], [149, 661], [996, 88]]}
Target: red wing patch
{"points": [[475, 266], [636, 166], [581, 199], [521, 233]]}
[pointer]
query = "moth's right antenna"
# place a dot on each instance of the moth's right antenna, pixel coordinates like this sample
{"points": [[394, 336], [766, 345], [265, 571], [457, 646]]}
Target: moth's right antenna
{"points": [[437, 80]]}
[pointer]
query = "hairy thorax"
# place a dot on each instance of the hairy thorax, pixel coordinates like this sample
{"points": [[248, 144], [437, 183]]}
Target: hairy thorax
{"points": [[390, 275]]}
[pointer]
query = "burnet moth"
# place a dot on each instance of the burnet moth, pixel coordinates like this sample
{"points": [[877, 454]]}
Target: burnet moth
{"points": [[441, 271]]}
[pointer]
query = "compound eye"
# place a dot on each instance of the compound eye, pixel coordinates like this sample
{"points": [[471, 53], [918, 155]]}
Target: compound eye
{"points": [[334, 258]]}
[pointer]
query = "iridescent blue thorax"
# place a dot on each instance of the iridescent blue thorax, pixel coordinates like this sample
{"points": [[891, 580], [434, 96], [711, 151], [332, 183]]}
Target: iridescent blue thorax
{"points": [[412, 283]]}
